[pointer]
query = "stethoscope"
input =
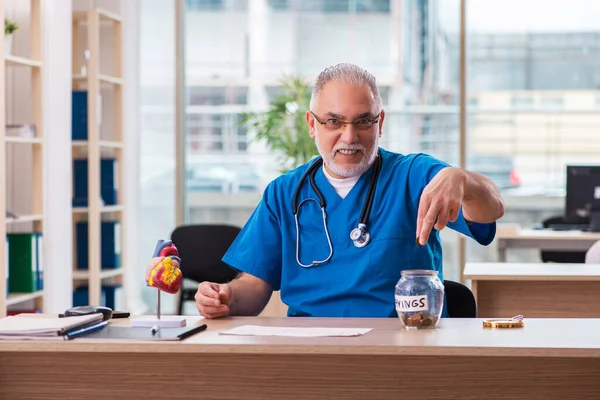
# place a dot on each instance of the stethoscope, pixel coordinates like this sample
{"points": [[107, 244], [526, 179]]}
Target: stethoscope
{"points": [[359, 235]]}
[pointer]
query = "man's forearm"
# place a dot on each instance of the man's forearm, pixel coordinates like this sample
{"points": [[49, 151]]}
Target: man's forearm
{"points": [[250, 295], [481, 199]]}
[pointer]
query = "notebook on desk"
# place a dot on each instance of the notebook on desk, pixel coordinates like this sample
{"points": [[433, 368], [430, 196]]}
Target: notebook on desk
{"points": [[30, 326]]}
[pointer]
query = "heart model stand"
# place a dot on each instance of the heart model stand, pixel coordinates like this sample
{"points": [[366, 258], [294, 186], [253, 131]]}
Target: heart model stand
{"points": [[165, 277]]}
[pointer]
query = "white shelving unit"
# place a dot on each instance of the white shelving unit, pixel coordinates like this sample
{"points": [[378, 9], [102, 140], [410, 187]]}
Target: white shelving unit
{"points": [[27, 205]]}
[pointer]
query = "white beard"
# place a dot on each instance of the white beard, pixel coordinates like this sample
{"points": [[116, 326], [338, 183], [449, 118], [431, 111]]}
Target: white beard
{"points": [[352, 170]]}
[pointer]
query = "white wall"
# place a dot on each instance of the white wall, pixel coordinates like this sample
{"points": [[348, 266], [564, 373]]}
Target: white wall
{"points": [[133, 280], [58, 259]]}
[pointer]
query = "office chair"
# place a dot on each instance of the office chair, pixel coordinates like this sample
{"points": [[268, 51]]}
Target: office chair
{"points": [[560, 256], [592, 256], [460, 300], [201, 248]]}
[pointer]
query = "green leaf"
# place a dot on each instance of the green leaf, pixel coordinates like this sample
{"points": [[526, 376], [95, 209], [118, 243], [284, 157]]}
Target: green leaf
{"points": [[283, 127], [9, 27]]}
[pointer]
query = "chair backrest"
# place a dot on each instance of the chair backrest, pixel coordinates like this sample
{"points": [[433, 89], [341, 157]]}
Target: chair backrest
{"points": [[592, 256], [460, 299], [201, 248], [560, 256]]}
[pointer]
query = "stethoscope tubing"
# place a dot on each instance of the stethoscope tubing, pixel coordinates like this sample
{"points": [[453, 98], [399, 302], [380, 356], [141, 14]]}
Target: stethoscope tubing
{"points": [[360, 236]]}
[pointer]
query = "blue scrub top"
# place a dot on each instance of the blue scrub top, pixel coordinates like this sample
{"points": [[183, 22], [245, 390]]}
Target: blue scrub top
{"points": [[355, 282]]}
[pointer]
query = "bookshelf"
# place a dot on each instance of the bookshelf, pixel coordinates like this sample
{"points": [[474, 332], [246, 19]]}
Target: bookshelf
{"points": [[97, 77], [21, 175]]}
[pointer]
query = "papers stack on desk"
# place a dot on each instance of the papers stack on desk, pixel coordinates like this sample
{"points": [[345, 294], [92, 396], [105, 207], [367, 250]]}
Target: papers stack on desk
{"points": [[38, 327]]}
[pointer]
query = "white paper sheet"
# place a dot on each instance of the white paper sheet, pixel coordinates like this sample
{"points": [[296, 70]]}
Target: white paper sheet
{"points": [[255, 330]]}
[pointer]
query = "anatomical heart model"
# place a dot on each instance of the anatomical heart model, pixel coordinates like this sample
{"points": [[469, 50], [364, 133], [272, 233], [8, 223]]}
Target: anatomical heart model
{"points": [[165, 275]]}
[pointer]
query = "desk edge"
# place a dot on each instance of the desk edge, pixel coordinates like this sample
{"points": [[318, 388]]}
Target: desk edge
{"points": [[304, 349]]}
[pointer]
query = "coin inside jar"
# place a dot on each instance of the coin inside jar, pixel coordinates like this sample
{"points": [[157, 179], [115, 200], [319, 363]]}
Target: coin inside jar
{"points": [[418, 319]]}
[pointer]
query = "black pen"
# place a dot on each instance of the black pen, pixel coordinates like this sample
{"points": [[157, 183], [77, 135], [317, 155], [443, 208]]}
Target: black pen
{"points": [[85, 330], [192, 332]]}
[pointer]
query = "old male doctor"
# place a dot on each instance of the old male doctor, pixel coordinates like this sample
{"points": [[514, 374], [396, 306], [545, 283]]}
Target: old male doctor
{"points": [[309, 242]]}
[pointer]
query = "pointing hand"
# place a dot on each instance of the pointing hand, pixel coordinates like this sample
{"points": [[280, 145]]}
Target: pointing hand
{"points": [[440, 202]]}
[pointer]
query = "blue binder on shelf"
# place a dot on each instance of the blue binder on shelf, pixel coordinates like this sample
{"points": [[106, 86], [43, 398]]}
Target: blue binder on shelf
{"points": [[80, 183], [114, 296], [110, 296], [110, 245], [79, 115], [109, 184], [80, 297]]}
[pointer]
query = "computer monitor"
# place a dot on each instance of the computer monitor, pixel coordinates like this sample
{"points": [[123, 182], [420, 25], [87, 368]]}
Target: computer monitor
{"points": [[583, 195]]}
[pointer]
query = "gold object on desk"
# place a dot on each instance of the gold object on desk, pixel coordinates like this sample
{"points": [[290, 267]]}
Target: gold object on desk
{"points": [[514, 322]]}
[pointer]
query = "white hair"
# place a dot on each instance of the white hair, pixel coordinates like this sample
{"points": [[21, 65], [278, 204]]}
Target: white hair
{"points": [[345, 72]]}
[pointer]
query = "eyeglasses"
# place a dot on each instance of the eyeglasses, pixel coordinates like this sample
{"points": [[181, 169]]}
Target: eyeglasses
{"points": [[334, 124]]}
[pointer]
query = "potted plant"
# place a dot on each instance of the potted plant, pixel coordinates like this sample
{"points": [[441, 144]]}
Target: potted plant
{"points": [[9, 28], [283, 127]]}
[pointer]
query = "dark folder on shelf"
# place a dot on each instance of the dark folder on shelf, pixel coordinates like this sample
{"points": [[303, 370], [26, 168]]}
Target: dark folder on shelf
{"points": [[25, 262]]}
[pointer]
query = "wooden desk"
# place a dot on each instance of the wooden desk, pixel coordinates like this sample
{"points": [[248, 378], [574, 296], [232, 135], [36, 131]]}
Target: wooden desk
{"points": [[544, 240], [461, 360], [537, 290]]}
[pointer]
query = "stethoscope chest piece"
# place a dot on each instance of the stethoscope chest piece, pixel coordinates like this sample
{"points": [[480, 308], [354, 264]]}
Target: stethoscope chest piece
{"points": [[360, 237]]}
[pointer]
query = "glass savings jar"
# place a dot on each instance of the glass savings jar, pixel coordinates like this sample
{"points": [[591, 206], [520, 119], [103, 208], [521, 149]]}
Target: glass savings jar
{"points": [[419, 299]]}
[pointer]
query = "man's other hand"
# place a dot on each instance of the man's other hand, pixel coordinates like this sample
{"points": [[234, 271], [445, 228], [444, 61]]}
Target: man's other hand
{"points": [[213, 299]]}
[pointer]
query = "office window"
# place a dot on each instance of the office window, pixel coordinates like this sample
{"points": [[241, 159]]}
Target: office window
{"points": [[273, 92], [215, 133], [157, 136], [552, 102], [204, 4], [216, 5], [543, 73], [210, 131], [252, 53], [522, 102], [531, 82], [331, 6], [215, 96], [279, 5]]}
